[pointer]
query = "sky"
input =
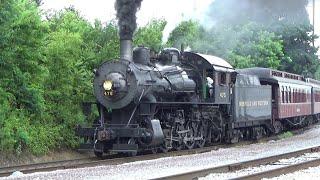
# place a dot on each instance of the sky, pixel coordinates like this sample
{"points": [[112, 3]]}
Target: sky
{"points": [[174, 11]]}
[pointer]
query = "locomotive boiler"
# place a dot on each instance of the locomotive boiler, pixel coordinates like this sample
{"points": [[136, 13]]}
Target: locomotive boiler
{"points": [[135, 79]]}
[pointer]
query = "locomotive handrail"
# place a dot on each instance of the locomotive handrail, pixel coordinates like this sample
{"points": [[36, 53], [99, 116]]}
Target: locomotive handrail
{"points": [[135, 108], [183, 103]]}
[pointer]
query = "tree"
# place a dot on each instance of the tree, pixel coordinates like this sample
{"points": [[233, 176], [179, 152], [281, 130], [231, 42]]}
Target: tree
{"points": [[185, 33], [257, 49], [151, 35], [298, 46], [69, 78], [22, 74], [102, 42]]}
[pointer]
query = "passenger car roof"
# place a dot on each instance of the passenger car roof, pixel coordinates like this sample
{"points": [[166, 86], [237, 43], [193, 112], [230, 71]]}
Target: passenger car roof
{"points": [[274, 76]]}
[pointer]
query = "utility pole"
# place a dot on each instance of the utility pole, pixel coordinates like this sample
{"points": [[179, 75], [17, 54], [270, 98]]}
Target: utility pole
{"points": [[313, 19]]}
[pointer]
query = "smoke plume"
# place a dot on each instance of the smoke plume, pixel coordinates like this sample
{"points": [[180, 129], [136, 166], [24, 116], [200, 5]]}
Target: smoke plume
{"points": [[126, 14], [265, 12]]}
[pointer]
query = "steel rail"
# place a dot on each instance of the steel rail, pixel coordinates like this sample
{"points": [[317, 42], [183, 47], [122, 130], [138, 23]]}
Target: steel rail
{"points": [[34, 167], [282, 170], [108, 160], [237, 166], [112, 159]]}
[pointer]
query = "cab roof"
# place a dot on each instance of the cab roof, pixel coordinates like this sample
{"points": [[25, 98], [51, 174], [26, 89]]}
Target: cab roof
{"points": [[206, 61]]}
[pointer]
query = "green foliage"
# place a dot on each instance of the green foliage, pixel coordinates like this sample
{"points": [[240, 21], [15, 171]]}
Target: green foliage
{"points": [[244, 46], [102, 43], [151, 35], [69, 81], [285, 135], [257, 49], [185, 33], [50, 136], [22, 73], [298, 46], [14, 133]]}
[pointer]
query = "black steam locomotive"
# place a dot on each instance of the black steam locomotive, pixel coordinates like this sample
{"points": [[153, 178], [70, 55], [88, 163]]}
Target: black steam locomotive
{"points": [[182, 100]]}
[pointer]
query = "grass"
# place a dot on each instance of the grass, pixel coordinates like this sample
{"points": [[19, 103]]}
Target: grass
{"points": [[285, 135]]}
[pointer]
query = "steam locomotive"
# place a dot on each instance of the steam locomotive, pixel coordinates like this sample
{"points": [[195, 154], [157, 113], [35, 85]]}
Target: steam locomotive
{"points": [[178, 100]]}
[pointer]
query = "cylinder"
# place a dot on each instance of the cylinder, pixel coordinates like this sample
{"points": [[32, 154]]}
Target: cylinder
{"points": [[126, 49]]}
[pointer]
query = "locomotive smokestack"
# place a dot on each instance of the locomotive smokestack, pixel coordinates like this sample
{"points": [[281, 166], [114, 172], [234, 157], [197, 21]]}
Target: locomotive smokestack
{"points": [[126, 49], [126, 14]]}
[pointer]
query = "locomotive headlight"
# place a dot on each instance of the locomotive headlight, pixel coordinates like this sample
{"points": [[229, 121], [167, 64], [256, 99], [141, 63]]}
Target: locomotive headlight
{"points": [[107, 85]]}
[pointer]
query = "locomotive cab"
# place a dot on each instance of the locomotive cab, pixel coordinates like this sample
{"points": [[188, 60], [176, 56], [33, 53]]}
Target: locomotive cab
{"points": [[213, 76], [217, 86]]}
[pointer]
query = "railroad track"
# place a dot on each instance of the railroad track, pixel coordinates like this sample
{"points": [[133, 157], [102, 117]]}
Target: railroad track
{"points": [[288, 168], [47, 166], [107, 160], [282, 170], [114, 159]]}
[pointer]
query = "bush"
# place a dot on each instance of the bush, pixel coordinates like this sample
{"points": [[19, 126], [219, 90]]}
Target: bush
{"points": [[285, 135]]}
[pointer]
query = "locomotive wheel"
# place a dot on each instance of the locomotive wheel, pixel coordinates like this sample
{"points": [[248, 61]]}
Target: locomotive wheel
{"points": [[154, 150], [164, 147], [200, 134], [189, 144], [189, 136], [133, 153], [278, 127], [256, 133], [200, 143], [177, 145], [98, 154]]}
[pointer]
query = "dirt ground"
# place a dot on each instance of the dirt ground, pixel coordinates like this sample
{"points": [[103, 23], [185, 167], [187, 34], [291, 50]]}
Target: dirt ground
{"points": [[27, 158]]}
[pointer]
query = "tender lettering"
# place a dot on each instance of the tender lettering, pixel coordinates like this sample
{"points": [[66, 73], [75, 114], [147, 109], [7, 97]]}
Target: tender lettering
{"points": [[253, 103]]}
